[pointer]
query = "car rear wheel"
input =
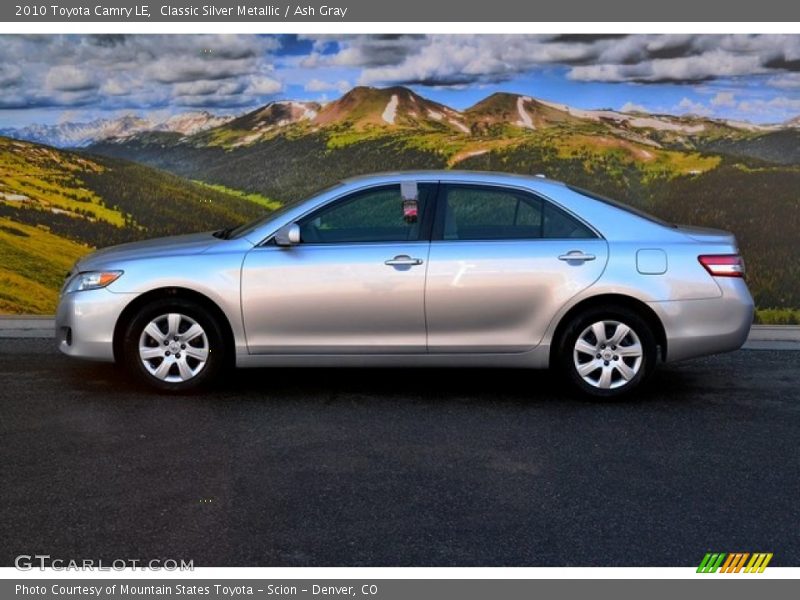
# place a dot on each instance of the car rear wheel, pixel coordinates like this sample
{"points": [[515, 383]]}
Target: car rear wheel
{"points": [[174, 345], [607, 352]]}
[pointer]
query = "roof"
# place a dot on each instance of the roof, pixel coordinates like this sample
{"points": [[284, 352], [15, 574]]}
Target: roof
{"points": [[452, 175]]}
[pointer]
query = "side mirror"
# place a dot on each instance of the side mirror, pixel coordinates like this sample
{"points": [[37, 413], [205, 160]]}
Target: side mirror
{"points": [[288, 235]]}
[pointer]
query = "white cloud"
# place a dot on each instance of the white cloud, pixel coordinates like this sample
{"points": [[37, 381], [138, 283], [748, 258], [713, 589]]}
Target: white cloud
{"points": [[629, 107], [362, 50], [261, 85], [206, 88], [727, 99], [166, 70], [787, 81], [690, 107], [458, 59], [69, 78], [136, 71], [709, 65], [9, 74], [318, 85], [779, 103], [118, 72], [115, 87]]}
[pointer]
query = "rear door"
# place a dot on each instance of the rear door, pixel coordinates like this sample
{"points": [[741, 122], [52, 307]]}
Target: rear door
{"points": [[502, 263]]}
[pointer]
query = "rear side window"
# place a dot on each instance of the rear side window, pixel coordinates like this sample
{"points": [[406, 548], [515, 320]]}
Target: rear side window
{"points": [[493, 213]]}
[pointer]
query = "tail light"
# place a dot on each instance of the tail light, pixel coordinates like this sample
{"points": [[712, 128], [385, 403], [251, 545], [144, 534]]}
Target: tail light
{"points": [[723, 265]]}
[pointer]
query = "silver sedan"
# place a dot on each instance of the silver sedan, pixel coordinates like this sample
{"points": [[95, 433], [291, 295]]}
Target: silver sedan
{"points": [[429, 268]]}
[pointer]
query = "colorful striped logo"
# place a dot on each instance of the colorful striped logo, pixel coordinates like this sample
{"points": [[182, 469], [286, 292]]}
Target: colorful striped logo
{"points": [[735, 562]]}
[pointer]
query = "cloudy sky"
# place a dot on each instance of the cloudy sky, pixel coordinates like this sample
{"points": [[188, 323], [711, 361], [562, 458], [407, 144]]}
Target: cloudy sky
{"points": [[52, 78]]}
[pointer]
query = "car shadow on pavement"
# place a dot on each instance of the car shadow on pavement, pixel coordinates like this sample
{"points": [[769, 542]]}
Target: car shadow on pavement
{"points": [[329, 385]]}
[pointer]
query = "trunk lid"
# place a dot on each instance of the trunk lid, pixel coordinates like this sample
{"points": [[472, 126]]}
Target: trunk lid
{"points": [[708, 235]]}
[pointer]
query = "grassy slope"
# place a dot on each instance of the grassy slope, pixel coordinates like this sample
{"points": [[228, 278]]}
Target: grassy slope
{"points": [[33, 267], [51, 179], [56, 205], [259, 199], [161, 203]]}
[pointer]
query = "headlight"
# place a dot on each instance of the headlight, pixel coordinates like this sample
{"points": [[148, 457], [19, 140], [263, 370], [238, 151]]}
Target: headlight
{"points": [[92, 280]]}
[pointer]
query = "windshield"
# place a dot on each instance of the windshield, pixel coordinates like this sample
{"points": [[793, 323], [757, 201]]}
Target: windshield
{"points": [[246, 228], [622, 206]]}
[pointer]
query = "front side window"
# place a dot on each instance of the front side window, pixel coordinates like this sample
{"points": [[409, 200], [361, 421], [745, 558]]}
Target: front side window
{"points": [[374, 215], [486, 213]]}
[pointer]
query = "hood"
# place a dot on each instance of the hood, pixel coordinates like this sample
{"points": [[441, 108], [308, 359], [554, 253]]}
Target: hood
{"points": [[194, 243]]}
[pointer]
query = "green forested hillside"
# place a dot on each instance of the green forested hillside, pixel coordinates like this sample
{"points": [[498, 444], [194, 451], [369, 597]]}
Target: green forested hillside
{"points": [[33, 267], [758, 201], [57, 205], [780, 147], [285, 167], [740, 177], [762, 206]]}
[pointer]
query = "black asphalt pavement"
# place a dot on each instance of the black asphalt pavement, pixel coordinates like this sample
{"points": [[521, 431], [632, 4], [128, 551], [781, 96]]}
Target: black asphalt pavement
{"points": [[394, 468]]}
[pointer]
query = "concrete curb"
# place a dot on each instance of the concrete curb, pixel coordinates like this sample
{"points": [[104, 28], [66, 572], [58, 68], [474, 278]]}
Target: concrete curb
{"points": [[762, 337], [773, 337], [26, 326]]}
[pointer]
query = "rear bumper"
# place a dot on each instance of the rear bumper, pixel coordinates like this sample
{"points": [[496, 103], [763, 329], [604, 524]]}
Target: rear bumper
{"points": [[701, 327], [85, 323]]}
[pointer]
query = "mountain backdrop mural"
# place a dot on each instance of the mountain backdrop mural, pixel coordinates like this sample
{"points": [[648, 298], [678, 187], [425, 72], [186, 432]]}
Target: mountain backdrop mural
{"points": [[140, 170]]}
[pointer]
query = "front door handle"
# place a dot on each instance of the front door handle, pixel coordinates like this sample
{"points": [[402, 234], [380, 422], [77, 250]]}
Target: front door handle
{"points": [[403, 260], [576, 255]]}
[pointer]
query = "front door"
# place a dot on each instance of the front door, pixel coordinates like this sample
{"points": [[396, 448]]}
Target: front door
{"points": [[354, 284]]}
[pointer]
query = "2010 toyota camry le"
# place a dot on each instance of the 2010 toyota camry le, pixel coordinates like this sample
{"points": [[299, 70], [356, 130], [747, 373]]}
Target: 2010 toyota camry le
{"points": [[412, 269]]}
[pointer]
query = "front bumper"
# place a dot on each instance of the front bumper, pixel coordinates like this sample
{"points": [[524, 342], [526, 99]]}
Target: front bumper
{"points": [[701, 327], [85, 323]]}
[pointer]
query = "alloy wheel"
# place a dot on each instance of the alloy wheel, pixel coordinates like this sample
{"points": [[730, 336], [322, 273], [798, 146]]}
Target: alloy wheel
{"points": [[608, 354], [173, 348]]}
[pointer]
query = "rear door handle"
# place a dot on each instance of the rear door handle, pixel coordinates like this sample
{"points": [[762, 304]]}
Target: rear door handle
{"points": [[577, 255], [403, 260]]}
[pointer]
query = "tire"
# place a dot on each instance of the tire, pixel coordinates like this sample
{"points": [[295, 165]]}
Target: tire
{"points": [[155, 357], [607, 352]]}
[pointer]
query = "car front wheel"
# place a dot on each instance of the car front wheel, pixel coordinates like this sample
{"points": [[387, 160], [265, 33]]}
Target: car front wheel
{"points": [[174, 345], [607, 352]]}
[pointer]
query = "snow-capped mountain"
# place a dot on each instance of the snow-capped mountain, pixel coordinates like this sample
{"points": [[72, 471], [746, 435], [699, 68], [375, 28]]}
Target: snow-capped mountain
{"points": [[189, 123], [394, 110], [394, 107], [276, 114], [399, 110], [78, 135]]}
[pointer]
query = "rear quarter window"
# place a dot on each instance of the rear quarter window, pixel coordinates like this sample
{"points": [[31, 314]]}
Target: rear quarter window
{"points": [[622, 206]]}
